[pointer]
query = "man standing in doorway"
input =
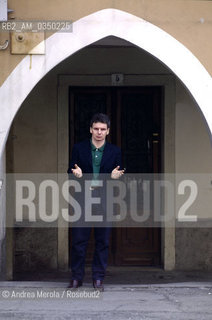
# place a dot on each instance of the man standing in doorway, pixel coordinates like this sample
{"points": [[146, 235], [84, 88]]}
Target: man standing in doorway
{"points": [[94, 156]]}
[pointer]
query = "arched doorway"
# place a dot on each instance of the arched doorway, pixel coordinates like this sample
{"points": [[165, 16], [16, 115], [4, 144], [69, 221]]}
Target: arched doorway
{"points": [[169, 52]]}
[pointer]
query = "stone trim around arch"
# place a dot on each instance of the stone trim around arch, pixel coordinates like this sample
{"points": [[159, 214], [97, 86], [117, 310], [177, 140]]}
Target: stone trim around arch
{"points": [[90, 29]]}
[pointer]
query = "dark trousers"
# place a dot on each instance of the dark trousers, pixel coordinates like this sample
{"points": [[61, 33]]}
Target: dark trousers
{"points": [[80, 237]]}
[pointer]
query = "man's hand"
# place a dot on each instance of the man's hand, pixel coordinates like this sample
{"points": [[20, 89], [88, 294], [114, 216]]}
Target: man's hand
{"points": [[77, 171], [116, 173]]}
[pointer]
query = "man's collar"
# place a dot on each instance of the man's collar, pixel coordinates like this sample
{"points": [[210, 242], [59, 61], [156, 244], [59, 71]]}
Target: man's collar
{"points": [[93, 147]]}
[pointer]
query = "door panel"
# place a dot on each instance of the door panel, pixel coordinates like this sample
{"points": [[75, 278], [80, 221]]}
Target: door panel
{"points": [[137, 246], [84, 102], [136, 120], [138, 136], [136, 124]]}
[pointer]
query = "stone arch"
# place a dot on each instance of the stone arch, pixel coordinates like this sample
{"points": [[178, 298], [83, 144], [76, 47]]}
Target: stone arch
{"points": [[89, 29]]}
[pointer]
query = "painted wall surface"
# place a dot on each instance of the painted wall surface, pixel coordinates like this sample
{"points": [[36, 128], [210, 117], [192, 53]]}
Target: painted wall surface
{"points": [[34, 134], [193, 156], [189, 21], [192, 139], [35, 130]]}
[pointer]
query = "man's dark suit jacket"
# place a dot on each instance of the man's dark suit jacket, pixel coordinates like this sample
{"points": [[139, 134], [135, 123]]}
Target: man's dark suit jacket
{"points": [[82, 156]]}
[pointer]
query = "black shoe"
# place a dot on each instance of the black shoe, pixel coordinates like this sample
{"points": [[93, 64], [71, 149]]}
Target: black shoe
{"points": [[74, 284], [98, 285]]}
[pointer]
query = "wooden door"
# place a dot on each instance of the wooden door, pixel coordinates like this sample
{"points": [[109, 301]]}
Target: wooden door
{"points": [[136, 125], [138, 135]]}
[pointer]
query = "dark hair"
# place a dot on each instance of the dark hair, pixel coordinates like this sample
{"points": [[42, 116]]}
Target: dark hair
{"points": [[100, 117]]}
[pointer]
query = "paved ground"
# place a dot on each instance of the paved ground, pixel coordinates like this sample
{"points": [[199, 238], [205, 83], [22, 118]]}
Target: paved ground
{"points": [[129, 294]]}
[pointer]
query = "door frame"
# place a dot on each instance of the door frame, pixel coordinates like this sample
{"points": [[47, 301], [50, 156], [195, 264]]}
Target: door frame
{"points": [[167, 154]]}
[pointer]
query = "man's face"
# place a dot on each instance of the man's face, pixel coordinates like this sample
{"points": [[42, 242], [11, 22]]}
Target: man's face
{"points": [[99, 131]]}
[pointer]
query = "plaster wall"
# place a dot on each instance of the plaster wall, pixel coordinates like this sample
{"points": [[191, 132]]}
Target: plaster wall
{"points": [[193, 155], [3, 222], [193, 146], [189, 21]]}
